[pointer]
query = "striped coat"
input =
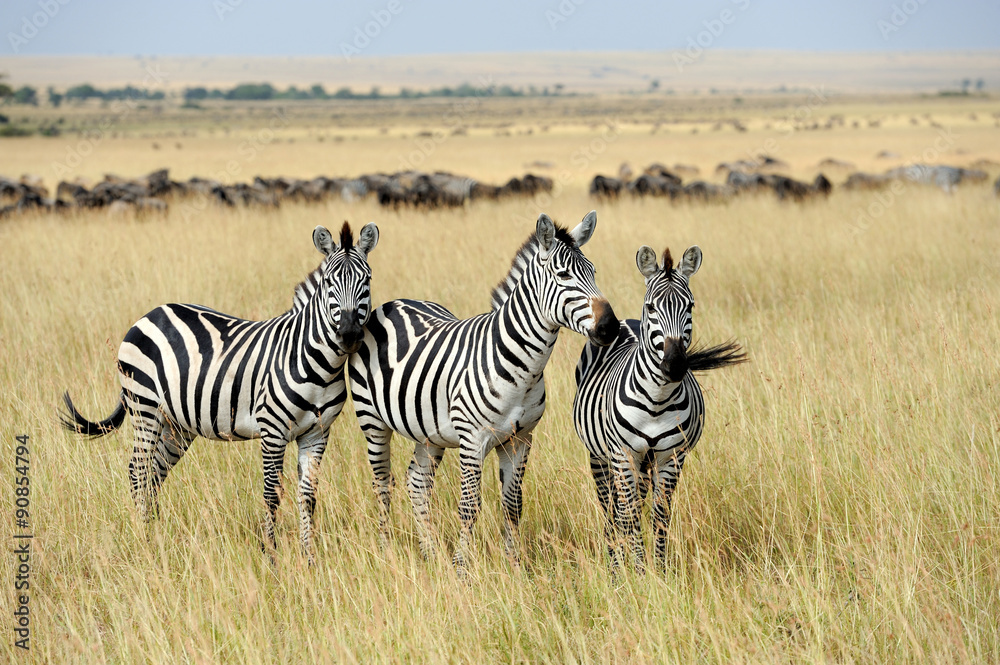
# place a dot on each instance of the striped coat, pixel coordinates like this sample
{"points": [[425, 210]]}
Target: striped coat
{"points": [[639, 409], [474, 384], [188, 371]]}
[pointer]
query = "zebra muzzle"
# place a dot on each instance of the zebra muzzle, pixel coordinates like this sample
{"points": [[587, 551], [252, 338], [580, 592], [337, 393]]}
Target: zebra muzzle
{"points": [[606, 327], [351, 332], [675, 360]]}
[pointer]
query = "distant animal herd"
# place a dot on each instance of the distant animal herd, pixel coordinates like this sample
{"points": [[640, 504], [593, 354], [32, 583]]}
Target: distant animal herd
{"points": [[476, 385], [153, 193]]}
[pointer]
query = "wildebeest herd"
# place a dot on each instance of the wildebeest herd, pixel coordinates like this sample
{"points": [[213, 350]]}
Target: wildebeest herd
{"points": [[153, 192], [150, 193], [748, 176], [475, 385]]}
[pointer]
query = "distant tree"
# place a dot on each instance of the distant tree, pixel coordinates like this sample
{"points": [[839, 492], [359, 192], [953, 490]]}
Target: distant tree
{"points": [[374, 94], [5, 90], [247, 91], [343, 93], [654, 85], [85, 91], [980, 85], [54, 97], [965, 85], [195, 94], [26, 95], [318, 92]]}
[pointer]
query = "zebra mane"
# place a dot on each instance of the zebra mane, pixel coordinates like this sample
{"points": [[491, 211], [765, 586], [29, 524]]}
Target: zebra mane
{"points": [[668, 262], [306, 288], [346, 237], [502, 291]]}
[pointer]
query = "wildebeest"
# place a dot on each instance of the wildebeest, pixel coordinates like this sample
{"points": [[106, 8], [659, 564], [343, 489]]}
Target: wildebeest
{"points": [[655, 185], [605, 187], [831, 163], [784, 187]]}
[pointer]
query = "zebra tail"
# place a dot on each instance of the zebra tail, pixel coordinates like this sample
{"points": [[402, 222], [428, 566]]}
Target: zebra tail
{"points": [[702, 359], [74, 421]]}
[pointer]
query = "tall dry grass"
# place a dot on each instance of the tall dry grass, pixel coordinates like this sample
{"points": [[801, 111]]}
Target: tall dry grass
{"points": [[841, 506]]}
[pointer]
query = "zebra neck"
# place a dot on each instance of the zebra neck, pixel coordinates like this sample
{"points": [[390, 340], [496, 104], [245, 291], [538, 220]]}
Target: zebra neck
{"points": [[521, 323], [316, 338], [645, 374]]}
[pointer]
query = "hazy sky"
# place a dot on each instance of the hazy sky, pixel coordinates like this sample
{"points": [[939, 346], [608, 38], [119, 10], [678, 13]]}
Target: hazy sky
{"points": [[400, 27]]}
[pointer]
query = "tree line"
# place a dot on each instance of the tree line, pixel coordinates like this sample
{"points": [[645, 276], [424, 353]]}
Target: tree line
{"points": [[261, 91]]}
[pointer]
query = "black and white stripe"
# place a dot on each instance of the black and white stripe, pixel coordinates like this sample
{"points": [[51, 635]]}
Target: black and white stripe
{"points": [[639, 409], [188, 371], [474, 384]]}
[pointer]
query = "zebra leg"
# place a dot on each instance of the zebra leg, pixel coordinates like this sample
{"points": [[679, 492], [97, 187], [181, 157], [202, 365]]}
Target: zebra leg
{"points": [[647, 476], [513, 455], [468, 506], [667, 475], [379, 436], [419, 483], [625, 470], [601, 470], [170, 447], [311, 447], [148, 422], [272, 449]]}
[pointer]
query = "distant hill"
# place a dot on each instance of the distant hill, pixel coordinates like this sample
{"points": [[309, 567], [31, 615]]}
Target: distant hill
{"points": [[726, 71]]}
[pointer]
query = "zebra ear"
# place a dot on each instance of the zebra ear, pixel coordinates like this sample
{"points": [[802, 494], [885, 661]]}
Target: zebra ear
{"points": [[581, 234], [645, 259], [369, 238], [323, 240], [545, 231], [690, 262]]}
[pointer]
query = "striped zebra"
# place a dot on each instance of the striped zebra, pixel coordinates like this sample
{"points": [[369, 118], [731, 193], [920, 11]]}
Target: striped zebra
{"points": [[474, 384], [639, 409], [188, 371]]}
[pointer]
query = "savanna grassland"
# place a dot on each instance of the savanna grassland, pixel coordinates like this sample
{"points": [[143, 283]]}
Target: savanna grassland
{"points": [[843, 504]]}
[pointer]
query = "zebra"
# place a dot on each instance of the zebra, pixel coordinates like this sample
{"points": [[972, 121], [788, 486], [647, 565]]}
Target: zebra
{"points": [[187, 371], [638, 408], [474, 384]]}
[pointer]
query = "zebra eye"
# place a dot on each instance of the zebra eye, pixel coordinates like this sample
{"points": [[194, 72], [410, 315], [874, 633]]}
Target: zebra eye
{"points": [[650, 309], [563, 274]]}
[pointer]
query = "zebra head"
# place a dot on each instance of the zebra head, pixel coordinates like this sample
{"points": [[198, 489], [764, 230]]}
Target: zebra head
{"points": [[345, 288], [570, 296], [666, 317]]}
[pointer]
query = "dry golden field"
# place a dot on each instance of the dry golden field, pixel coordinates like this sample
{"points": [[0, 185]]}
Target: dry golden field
{"points": [[843, 504]]}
